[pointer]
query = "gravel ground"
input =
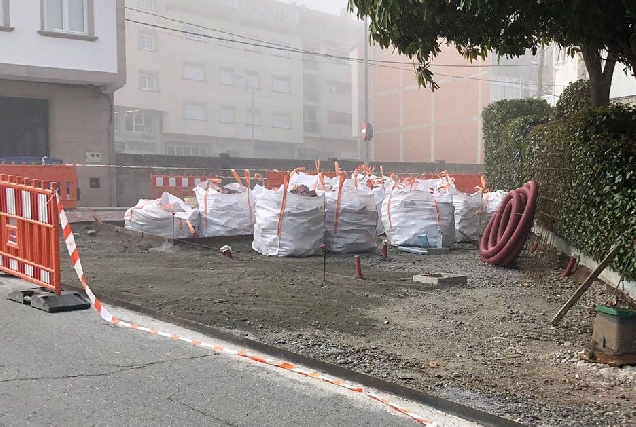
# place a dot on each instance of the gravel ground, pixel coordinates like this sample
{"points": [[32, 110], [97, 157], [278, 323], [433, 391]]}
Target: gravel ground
{"points": [[487, 344]]}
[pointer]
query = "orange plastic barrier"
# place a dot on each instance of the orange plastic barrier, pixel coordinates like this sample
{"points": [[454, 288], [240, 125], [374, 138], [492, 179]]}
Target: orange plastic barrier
{"points": [[274, 179], [63, 175], [180, 186], [29, 240], [465, 183]]}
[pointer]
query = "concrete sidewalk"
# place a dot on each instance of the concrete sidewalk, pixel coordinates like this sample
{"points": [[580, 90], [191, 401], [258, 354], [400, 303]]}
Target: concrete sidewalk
{"points": [[73, 369]]}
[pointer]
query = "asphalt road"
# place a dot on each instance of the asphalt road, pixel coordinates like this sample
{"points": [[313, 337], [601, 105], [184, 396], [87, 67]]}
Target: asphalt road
{"points": [[74, 369]]}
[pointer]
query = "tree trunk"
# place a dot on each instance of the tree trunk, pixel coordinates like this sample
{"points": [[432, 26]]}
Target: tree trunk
{"points": [[600, 76]]}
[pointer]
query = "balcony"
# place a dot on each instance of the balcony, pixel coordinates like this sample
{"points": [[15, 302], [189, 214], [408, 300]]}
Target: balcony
{"points": [[311, 95], [311, 127]]}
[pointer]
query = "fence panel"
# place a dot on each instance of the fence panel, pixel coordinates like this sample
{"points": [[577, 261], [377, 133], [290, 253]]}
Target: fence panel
{"points": [[29, 239], [177, 185], [63, 175]]}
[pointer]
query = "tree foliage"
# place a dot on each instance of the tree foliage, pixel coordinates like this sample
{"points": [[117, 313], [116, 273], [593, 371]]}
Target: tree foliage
{"points": [[419, 28]]}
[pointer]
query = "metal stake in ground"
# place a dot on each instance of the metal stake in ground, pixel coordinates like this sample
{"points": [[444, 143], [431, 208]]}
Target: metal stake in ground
{"points": [[588, 282], [356, 260], [324, 263], [173, 228]]}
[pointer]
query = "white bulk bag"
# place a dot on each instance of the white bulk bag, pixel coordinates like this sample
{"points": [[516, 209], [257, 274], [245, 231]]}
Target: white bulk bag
{"points": [[301, 220], [493, 199], [155, 217], [225, 214], [469, 216], [409, 214], [357, 219], [300, 178], [380, 188]]}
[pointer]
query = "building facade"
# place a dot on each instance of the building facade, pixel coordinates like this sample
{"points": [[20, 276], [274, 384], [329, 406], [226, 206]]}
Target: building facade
{"points": [[235, 77], [415, 124], [568, 69], [60, 63]]}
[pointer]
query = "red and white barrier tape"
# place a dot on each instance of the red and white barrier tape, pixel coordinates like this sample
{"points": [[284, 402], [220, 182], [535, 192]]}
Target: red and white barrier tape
{"points": [[107, 316]]}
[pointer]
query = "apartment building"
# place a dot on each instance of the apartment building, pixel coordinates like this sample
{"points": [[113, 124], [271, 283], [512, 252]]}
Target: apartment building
{"points": [[60, 63], [414, 124], [568, 69], [212, 77]]}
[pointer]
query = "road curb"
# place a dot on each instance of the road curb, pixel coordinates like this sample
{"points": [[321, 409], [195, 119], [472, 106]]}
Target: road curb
{"points": [[452, 408]]}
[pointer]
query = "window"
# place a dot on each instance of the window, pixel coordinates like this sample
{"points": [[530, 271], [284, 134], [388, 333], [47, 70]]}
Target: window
{"points": [[192, 71], [340, 88], [252, 81], [279, 11], [116, 121], [147, 4], [193, 32], [561, 57], [253, 118], [182, 150], [139, 121], [227, 114], [147, 41], [194, 111], [70, 16], [338, 118], [281, 84], [310, 113], [310, 119], [226, 76], [148, 81], [281, 121]]}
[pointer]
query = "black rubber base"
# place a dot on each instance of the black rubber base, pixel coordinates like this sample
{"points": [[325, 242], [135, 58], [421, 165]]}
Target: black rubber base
{"points": [[49, 302]]}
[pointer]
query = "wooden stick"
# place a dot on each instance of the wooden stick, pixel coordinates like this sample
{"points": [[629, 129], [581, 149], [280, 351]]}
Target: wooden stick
{"points": [[588, 282]]}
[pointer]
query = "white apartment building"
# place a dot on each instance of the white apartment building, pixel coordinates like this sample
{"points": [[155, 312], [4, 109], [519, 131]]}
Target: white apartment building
{"points": [[568, 69], [211, 77], [60, 63]]}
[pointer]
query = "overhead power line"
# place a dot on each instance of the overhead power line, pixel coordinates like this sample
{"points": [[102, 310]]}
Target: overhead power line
{"points": [[173, 31], [280, 46]]}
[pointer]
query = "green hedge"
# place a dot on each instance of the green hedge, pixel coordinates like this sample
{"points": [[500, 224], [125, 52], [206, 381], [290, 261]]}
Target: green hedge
{"points": [[585, 165], [576, 97], [497, 145]]}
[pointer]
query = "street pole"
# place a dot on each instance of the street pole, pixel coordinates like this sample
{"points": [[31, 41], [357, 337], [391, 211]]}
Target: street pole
{"points": [[253, 147], [366, 85]]}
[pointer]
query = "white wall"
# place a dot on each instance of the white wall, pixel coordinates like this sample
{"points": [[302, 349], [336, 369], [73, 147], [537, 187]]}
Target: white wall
{"points": [[24, 46], [622, 85]]}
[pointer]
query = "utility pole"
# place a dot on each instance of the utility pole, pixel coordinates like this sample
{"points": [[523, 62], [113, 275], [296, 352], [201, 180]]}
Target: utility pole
{"points": [[366, 86], [253, 146]]}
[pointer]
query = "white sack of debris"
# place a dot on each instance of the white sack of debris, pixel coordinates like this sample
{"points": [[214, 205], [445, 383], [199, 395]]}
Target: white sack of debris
{"points": [[492, 201], [470, 218], [380, 186], [288, 224], [160, 217], [407, 214], [351, 218], [225, 211], [297, 179]]}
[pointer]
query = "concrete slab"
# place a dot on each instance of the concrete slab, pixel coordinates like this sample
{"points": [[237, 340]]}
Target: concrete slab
{"points": [[437, 279]]}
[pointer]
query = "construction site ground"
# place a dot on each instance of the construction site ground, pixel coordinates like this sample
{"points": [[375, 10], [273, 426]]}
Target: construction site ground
{"points": [[488, 344]]}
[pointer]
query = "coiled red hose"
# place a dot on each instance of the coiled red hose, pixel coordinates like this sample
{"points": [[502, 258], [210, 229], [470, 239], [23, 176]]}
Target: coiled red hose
{"points": [[508, 230]]}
